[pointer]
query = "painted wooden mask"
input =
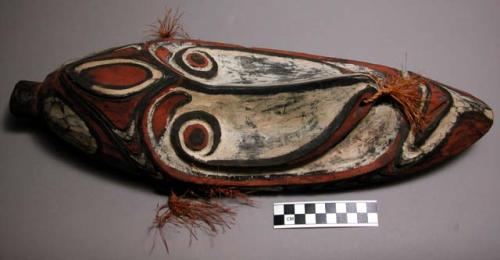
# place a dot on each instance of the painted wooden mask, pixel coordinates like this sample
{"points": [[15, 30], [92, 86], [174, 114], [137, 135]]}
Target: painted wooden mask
{"points": [[219, 114]]}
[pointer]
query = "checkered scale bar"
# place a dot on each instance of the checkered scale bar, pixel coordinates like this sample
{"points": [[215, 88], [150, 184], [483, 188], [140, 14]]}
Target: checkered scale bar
{"points": [[346, 213]]}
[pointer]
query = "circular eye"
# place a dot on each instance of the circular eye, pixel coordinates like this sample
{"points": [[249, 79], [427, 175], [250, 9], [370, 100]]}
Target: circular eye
{"points": [[195, 134], [195, 137], [195, 62]]}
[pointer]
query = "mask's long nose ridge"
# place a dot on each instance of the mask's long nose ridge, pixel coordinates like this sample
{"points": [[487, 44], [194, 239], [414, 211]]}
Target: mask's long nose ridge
{"points": [[24, 99]]}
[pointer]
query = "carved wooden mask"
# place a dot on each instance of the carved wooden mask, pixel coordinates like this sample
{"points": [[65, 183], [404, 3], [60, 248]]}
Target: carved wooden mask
{"points": [[220, 114]]}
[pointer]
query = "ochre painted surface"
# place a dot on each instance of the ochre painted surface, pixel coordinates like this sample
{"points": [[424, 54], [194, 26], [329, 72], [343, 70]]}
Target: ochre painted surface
{"points": [[219, 114]]}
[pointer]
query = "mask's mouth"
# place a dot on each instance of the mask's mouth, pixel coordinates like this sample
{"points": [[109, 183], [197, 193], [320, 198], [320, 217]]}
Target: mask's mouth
{"points": [[24, 99]]}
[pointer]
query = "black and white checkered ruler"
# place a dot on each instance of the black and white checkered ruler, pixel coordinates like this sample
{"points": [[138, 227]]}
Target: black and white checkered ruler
{"points": [[339, 213]]}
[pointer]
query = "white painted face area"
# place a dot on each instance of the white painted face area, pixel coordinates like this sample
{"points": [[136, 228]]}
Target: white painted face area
{"points": [[353, 67], [362, 146], [265, 127], [242, 68]]}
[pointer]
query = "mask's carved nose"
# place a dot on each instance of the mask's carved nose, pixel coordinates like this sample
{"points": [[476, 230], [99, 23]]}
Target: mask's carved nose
{"points": [[24, 99]]}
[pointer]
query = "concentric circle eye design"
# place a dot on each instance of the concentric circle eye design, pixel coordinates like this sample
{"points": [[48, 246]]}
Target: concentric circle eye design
{"points": [[195, 136], [195, 133], [116, 77], [196, 62]]}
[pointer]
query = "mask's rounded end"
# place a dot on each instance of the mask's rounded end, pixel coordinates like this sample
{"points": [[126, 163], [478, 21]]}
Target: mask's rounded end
{"points": [[24, 99]]}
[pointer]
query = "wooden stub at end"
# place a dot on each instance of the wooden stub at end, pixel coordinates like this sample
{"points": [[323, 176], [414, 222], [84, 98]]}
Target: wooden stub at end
{"points": [[24, 98]]}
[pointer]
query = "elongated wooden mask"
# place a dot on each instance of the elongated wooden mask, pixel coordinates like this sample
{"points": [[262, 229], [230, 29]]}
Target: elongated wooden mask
{"points": [[219, 114]]}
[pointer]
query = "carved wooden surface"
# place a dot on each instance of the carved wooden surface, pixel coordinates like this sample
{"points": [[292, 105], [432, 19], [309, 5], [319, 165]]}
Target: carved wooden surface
{"points": [[219, 114]]}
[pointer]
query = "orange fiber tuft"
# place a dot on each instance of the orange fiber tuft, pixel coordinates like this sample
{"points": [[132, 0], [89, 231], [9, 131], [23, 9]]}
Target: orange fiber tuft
{"points": [[193, 214], [405, 91], [169, 26]]}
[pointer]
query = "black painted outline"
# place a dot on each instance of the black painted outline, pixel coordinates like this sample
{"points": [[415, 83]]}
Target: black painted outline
{"points": [[421, 137], [275, 89], [87, 82], [275, 163], [256, 90], [437, 149], [202, 74], [142, 55], [194, 115], [67, 83]]}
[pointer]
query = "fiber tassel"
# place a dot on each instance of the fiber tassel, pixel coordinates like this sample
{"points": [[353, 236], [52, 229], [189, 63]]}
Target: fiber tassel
{"points": [[193, 214], [404, 89], [169, 26]]}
